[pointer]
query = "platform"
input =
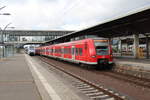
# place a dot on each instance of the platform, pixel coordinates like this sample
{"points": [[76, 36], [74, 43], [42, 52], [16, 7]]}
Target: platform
{"points": [[16, 81], [23, 78], [136, 67], [143, 64]]}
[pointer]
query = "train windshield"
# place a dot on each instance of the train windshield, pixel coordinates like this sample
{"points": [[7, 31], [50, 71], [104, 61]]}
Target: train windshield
{"points": [[101, 47], [31, 47]]}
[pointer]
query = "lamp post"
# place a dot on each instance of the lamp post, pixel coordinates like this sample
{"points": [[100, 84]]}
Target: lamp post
{"points": [[2, 39], [2, 30]]}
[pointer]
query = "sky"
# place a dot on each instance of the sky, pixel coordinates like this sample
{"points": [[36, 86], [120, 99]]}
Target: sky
{"points": [[64, 14]]}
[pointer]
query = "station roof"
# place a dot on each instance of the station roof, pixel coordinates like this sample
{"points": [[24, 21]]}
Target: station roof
{"points": [[134, 22]]}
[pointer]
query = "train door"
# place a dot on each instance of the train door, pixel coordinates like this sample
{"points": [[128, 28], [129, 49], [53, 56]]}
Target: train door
{"points": [[62, 52], [73, 52], [79, 52]]}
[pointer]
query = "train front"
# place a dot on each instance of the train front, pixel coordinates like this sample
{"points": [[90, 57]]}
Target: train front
{"points": [[103, 51], [31, 50]]}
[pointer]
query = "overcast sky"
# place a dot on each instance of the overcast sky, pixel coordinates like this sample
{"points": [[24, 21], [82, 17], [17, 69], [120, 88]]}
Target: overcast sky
{"points": [[64, 14]]}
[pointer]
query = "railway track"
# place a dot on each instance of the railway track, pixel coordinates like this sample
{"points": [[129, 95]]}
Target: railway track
{"points": [[139, 81], [127, 78], [90, 89]]}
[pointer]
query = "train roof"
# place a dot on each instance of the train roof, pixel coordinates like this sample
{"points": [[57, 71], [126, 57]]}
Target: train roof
{"points": [[74, 42]]}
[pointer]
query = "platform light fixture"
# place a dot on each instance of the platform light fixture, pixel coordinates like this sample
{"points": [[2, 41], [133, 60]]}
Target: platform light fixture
{"points": [[7, 14], [2, 7]]}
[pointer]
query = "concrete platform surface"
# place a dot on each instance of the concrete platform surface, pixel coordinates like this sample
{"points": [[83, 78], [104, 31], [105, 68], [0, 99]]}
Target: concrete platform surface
{"points": [[135, 64], [16, 81]]}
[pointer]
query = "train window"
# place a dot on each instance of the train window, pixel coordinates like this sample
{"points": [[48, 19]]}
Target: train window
{"points": [[77, 51], [101, 47], [72, 51], [59, 51], [65, 50], [102, 50], [80, 51], [31, 47], [53, 50], [101, 43], [62, 50], [69, 50]]}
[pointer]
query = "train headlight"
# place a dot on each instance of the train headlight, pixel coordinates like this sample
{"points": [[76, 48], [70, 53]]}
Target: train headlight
{"points": [[94, 56]]}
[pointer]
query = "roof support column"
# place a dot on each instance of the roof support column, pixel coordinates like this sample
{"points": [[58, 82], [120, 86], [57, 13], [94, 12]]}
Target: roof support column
{"points": [[110, 41], [136, 45], [147, 47], [120, 47], [19, 38]]}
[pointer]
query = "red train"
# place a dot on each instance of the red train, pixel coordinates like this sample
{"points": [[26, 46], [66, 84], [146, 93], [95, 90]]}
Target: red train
{"points": [[87, 51]]}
